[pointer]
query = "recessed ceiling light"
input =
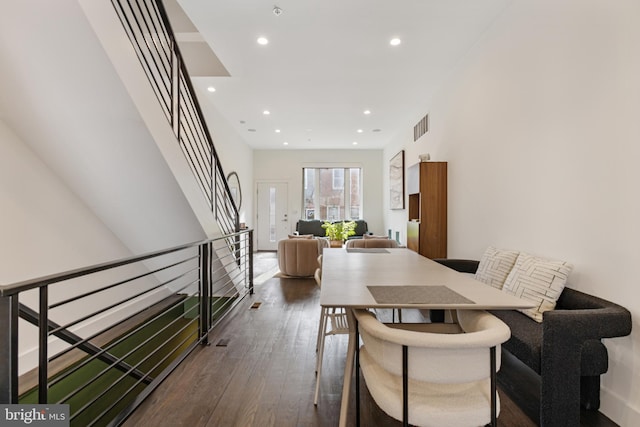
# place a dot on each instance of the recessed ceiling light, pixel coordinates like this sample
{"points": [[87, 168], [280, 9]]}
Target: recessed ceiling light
{"points": [[395, 41], [262, 40], [285, 143], [211, 89], [359, 131], [266, 112], [367, 112], [277, 130], [355, 143]]}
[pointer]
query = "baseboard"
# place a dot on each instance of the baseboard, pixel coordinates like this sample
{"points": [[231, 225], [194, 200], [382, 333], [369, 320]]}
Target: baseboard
{"points": [[618, 410]]}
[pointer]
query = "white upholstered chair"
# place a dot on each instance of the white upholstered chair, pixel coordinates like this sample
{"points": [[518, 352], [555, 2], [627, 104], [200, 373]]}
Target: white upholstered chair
{"points": [[335, 319], [433, 379]]}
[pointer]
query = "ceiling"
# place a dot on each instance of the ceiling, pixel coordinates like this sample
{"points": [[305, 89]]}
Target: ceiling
{"points": [[326, 62]]}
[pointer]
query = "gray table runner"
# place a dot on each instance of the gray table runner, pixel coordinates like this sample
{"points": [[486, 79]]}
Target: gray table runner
{"points": [[416, 295]]}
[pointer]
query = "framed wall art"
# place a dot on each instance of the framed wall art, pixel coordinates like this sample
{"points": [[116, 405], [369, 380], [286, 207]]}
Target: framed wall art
{"points": [[396, 181]]}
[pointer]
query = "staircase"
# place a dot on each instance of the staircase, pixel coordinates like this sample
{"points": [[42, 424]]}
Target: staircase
{"points": [[153, 309]]}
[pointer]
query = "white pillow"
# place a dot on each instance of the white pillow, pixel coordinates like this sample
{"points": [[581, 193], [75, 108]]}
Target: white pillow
{"points": [[539, 281], [495, 265]]}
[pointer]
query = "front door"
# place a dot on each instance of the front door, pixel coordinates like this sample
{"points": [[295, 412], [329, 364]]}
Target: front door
{"points": [[272, 218]]}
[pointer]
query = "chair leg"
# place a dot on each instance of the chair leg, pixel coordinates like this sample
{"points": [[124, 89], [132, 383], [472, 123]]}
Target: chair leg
{"points": [[494, 411], [321, 337], [320, 329], [357, 362], [405, 386]]}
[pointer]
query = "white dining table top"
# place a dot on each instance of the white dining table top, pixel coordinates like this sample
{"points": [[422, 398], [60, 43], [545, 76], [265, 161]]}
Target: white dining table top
{"points": [[346, 277]]}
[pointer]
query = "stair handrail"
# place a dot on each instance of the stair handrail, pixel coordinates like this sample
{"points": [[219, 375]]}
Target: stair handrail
{"points": [[195, 281], [149, 19]]}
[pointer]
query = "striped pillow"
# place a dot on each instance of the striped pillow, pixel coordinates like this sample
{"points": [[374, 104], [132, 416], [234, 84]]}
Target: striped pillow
{"points": [[539, 281], [495, 265]]}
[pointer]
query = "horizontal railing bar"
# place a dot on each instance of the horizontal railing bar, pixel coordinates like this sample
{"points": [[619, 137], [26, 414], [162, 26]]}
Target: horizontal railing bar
{"points": [[96, 398], [226, 291], [124, 414], [116, 304], [121, 338], [32, 317], [103, 413], [26, 285], [223, 307], [129, 353], [224, 264], [15, 288], [122, 282], [222, 286], [229, 280], [100, 332], [234, 303]]}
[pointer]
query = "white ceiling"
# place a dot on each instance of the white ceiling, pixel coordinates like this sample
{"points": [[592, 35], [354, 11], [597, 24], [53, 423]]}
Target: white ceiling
{"points": [[327, 61]]}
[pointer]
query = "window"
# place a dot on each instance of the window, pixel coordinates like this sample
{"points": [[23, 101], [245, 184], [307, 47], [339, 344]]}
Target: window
{"points": [[332, 194], [338, 179]]}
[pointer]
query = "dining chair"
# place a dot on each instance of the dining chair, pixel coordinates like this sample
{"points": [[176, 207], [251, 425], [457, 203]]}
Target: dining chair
{"points": [[333, 318], [371, 243], [425, 378]]}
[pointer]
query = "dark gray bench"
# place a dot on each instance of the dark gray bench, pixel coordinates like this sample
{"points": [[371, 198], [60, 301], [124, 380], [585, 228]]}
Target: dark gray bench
{"points": [[565, 349]]}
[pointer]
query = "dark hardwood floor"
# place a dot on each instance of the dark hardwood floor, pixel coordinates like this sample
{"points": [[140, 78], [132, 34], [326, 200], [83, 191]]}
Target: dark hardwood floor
{"points": [[259, 370]]}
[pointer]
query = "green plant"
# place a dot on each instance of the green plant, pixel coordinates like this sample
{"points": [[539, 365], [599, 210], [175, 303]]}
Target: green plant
{"points": [[340, 230]]}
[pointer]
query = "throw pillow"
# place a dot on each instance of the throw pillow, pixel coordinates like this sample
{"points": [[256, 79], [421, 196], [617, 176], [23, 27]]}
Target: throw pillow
{"points": [[495, 265], [371, 236], [301, 236], [539, 281]]}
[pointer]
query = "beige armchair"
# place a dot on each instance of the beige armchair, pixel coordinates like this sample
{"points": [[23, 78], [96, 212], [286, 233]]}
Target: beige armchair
{"points": [[298, 257], [371, 243]]}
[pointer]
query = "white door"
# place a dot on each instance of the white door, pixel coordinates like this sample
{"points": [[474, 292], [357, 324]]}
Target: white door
{"points": [[272, 221]]}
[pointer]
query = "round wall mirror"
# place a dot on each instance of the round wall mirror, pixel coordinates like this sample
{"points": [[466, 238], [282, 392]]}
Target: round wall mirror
{"points": [[234, 187]]}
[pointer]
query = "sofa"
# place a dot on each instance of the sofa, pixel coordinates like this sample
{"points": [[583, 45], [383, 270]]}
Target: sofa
{"points": [[314, 227], [565, 349]]}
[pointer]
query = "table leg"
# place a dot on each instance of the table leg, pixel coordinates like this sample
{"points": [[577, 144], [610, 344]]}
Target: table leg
{"points": [[348, 368]]}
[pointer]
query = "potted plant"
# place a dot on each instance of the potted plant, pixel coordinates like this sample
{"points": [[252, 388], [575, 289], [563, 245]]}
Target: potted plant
{"points": [[339, 231]]}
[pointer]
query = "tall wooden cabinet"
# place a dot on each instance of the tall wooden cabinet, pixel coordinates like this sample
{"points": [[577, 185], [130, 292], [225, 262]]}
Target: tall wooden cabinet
{"points": [[427, 226]]}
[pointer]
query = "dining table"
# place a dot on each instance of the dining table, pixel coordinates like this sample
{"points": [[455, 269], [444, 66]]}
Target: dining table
{"points": [[398, 278]]}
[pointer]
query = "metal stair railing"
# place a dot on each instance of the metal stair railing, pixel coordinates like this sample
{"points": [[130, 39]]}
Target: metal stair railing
{"points": [[109, 334], [147, 25]]}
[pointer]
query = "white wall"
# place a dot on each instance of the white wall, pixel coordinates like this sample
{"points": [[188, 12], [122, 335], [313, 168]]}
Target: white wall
{"points": [[286, 166], [235, 155], [539, 124], [44, 227]]}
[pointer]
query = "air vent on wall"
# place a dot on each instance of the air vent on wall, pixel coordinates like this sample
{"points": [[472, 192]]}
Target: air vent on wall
{"points": [[421, 128]]}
